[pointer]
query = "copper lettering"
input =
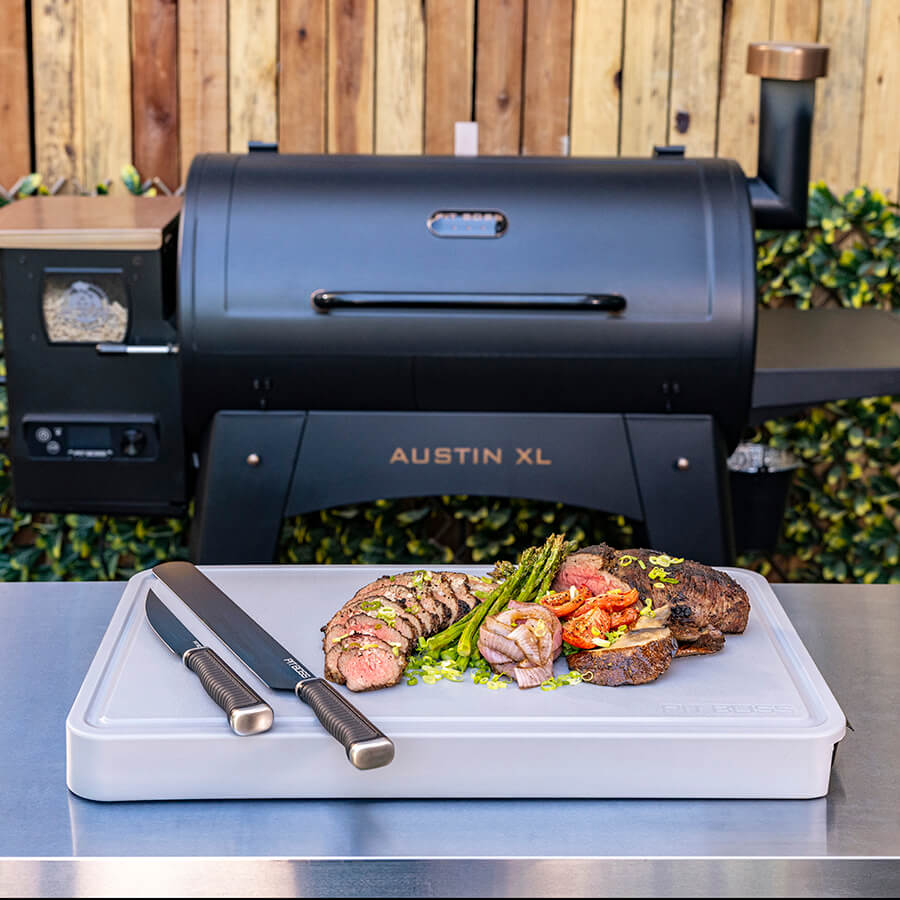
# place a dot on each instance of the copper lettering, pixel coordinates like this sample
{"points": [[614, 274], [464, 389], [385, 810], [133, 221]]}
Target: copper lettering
{"points": [[426, 455], [399, 456], [495, 456], [539, 459], [524, 456], [442, 456], [461, 452]]}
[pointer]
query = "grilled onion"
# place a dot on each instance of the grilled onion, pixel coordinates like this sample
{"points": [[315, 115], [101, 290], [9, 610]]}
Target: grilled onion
{"points": [[522, 642]]}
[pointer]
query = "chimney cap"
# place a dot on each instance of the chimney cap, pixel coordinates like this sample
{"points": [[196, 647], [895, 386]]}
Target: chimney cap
{"points": [[786, 61]]}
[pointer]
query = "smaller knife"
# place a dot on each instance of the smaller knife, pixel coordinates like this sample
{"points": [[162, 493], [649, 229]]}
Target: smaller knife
{"points": [[247, 712]]}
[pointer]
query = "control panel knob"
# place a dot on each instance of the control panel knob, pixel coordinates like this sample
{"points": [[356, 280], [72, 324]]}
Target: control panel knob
{"points": [[133, 442], [43, 434]]}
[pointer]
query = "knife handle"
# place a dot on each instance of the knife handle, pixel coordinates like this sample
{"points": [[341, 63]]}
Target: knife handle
{"points": [[366, 746], [247, 712]]}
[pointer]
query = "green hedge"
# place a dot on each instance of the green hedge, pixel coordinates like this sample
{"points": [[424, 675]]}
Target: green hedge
{"points": [[841, 524]]}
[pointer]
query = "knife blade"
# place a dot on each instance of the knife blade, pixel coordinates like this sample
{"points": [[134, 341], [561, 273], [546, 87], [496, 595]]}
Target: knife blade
{"points": [[367, 747], [247, 712]]}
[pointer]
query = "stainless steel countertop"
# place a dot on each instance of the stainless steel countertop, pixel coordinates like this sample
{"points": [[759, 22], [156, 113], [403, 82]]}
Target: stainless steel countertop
{"points": [[53, 843]]}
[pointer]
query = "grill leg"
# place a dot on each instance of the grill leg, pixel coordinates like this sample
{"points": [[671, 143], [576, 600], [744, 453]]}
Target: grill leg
{"points": [[680, 466], [245, 475]]}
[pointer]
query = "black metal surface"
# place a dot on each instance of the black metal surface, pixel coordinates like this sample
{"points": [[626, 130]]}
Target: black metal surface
{"points": [[779, 192], [805, 357], [680, 466], [262, 233], [239, 507], [168, 626], [256, 647], [578, 459]]}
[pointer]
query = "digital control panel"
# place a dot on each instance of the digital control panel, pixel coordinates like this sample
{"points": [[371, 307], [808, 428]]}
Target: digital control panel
{"points": [[92, 440]]}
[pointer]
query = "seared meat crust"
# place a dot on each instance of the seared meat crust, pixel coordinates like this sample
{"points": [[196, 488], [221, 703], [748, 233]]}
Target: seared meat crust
{"points": [[702, 597]]}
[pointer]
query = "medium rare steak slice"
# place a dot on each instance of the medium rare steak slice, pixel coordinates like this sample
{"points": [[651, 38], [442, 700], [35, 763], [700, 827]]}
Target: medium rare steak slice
{"points": [[698, 596], [368, 663], [639, 656], [387, 586], [362, 623], [389, 611]]}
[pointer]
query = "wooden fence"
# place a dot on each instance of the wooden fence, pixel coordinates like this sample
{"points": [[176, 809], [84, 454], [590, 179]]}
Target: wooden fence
{"points": [[89, 85]]}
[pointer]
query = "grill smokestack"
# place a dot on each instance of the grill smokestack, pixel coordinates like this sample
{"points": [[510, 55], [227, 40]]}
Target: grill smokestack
{"points": [[786, 98]]}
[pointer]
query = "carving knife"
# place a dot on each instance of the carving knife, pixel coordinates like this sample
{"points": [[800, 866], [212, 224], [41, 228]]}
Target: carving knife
{"points": [[247, 712], [366, 746]]}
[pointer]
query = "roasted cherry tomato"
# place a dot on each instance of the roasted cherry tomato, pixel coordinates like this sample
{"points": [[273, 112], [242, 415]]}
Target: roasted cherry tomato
{"points": [[584, 629], [625, 617], [562, 603], [615, 599]]}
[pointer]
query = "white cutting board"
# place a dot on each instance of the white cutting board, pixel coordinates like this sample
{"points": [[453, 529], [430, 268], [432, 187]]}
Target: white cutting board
{"points": [[754, 720]]}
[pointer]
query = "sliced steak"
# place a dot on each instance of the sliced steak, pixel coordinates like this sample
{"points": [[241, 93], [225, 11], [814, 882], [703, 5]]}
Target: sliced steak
{"points": [[362, 623], [420, 581], [367, 663], [332, 655], [459, 584], [390, 611], [411, 602], [389, 587], [465, 587], [700, 596], [639, 656], [373, 587], [442, 588]]}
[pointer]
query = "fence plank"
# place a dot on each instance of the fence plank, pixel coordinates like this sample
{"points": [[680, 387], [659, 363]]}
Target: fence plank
{"points": [[745, 21], [645, 75], [449, 70], [696, 41], [548, 59], [400, 85], [498, 75], [252, 72], [879, 162], [15, 126], [795, 20], [839, 97], [154, 72], [58, 125], [202, 78], [303, 43], [596, 77], [106, 92], [15, 120], [351, 76]]}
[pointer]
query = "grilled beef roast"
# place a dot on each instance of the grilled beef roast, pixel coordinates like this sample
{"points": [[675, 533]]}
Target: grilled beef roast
{"points": [[639, 656], [369, 640], [702, 600]]}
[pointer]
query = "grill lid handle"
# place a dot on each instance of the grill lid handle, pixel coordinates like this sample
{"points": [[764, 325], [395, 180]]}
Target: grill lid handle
{"points": [[325, 301]]}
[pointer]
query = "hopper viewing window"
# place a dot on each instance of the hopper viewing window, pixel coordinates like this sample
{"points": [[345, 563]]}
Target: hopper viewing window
{"points": [[84, 307]]}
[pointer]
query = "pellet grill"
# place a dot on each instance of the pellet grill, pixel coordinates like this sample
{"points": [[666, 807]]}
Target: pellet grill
{"points": [[350, 328]]}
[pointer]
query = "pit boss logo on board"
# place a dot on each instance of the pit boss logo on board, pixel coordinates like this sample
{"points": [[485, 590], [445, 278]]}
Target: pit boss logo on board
{"points": [[473, 456]]}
